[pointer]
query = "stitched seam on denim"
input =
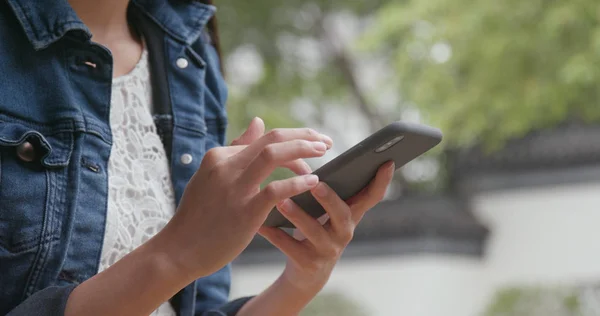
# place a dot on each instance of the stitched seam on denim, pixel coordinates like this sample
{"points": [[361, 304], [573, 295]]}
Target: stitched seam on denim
{"points": [[169, 30], [61, 125], [28, 244], [87, 125], [194, 130], [22, 16], [98, 254], [196, 58], [163, 116], [41, 254]]}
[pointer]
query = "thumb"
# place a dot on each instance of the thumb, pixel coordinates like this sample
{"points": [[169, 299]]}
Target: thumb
{"points": [[255, 130]]}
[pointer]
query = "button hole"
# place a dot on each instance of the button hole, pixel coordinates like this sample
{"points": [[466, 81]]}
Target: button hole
{"points": [[64, 275], [91, 166], [94, 168], [91, 64]]}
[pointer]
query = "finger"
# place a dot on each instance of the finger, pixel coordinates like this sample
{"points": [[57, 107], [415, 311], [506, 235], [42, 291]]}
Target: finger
{"points": [[217, 154], [310, 227], [244, 158], [255, 130], [340, 215], [298, 166], [279, 190], [373, 193], [292, 248], [275, 155]]}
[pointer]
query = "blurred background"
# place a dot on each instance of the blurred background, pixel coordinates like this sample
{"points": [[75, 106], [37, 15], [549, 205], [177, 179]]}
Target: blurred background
{"points": [[504, 217]]}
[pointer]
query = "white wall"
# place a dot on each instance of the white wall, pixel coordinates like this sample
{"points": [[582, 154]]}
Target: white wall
{"points": [[425, 285], [542, 236], [539, 236]]}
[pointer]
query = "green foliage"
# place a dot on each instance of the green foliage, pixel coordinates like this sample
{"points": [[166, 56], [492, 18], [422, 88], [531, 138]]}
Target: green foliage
{"points": [[531, 301], [262, 25], [333, 304], [514, 66]]}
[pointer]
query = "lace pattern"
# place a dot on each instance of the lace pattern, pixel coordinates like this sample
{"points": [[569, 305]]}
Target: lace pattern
{"points": [[140, 198]]}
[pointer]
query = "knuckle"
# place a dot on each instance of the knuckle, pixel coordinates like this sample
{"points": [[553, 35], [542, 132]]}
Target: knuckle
{"points": [[345, 217], [218, 169], [212, 156], [297, 185], [271, 191], [310, 133], [268, 153], [276, 135], [305, 146], [313, 265], [347, 234], [331, 252]]}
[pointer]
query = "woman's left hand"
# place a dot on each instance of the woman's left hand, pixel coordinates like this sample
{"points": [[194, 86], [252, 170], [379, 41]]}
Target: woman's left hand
{"points": [[311, 261]]}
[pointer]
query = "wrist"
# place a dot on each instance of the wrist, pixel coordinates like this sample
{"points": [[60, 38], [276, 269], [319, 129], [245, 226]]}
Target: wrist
{"points": [[135, 285], [281, 298], [169, 255], [303, 282]]}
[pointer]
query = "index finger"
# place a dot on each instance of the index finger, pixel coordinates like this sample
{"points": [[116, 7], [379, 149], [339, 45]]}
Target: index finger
{"points": [[246, 156]]}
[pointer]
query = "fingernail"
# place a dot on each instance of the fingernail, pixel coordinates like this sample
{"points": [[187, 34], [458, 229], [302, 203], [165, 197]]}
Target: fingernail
{"points": [[286, 206], [392, 167], [311, 179], [320, 146], [321, 189], [327, 140]]}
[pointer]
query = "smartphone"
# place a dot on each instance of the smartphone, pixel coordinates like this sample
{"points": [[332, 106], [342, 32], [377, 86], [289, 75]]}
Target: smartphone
{"points": [[350, 172]]}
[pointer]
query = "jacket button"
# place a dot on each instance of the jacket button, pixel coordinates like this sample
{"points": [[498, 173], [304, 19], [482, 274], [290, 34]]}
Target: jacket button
{"points": [[26, 152], [186, 159], [182, 63]]}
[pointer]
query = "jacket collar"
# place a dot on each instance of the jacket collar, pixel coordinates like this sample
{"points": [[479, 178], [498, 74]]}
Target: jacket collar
{"points": [[184, 20], [45, 22]]}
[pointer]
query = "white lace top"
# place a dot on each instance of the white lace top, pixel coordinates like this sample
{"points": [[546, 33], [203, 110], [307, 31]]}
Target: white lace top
{"points": [[140, 196]]}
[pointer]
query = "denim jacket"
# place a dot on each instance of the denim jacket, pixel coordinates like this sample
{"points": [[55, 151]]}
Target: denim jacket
{"points": [[55, 141]]}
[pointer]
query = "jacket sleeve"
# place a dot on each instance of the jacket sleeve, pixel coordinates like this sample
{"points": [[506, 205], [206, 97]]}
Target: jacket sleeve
{"points": [[212, 293], [228, 309], [50, 301]]}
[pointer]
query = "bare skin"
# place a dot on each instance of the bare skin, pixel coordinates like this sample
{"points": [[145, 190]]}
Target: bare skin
{"points": [[107, 20], [223, 208]]}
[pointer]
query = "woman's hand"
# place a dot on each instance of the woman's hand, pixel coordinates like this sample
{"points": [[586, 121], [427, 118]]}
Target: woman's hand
{"points": [[220, 212], [310, 261], [223, 206]]}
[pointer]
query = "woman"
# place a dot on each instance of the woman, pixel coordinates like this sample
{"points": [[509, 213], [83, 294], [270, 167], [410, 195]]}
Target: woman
{"points": [[116, 195]]}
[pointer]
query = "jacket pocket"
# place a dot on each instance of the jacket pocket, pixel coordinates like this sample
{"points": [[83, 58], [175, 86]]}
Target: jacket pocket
{"points": [[33, 159]]}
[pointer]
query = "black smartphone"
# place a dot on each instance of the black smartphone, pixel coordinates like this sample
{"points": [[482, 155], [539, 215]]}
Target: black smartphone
{"points": [[351, 171]]}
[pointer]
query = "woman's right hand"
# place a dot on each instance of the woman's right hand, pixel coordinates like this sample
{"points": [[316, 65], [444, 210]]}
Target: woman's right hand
{"points": [[223, 206]]}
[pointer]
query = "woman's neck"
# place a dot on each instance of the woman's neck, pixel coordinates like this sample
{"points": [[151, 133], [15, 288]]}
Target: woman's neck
{"points": [[107, 21]]}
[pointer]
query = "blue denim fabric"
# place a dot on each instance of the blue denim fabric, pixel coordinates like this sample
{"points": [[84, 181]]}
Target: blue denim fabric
{"points": [[53, 208]]}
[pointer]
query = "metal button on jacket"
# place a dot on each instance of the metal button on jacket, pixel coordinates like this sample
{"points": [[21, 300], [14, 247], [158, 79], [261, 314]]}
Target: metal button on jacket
{"points": [[182, 63], [26, 152], [186, 159]]}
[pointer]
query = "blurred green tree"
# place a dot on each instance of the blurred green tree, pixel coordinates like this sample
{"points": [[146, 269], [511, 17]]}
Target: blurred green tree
{"points": [[333, 304], [486, 71], [295, 53], [281, 53], [545, 301]]}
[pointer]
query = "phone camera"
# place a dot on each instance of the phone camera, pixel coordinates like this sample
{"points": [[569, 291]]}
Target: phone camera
{"points": [[389, 144]]}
